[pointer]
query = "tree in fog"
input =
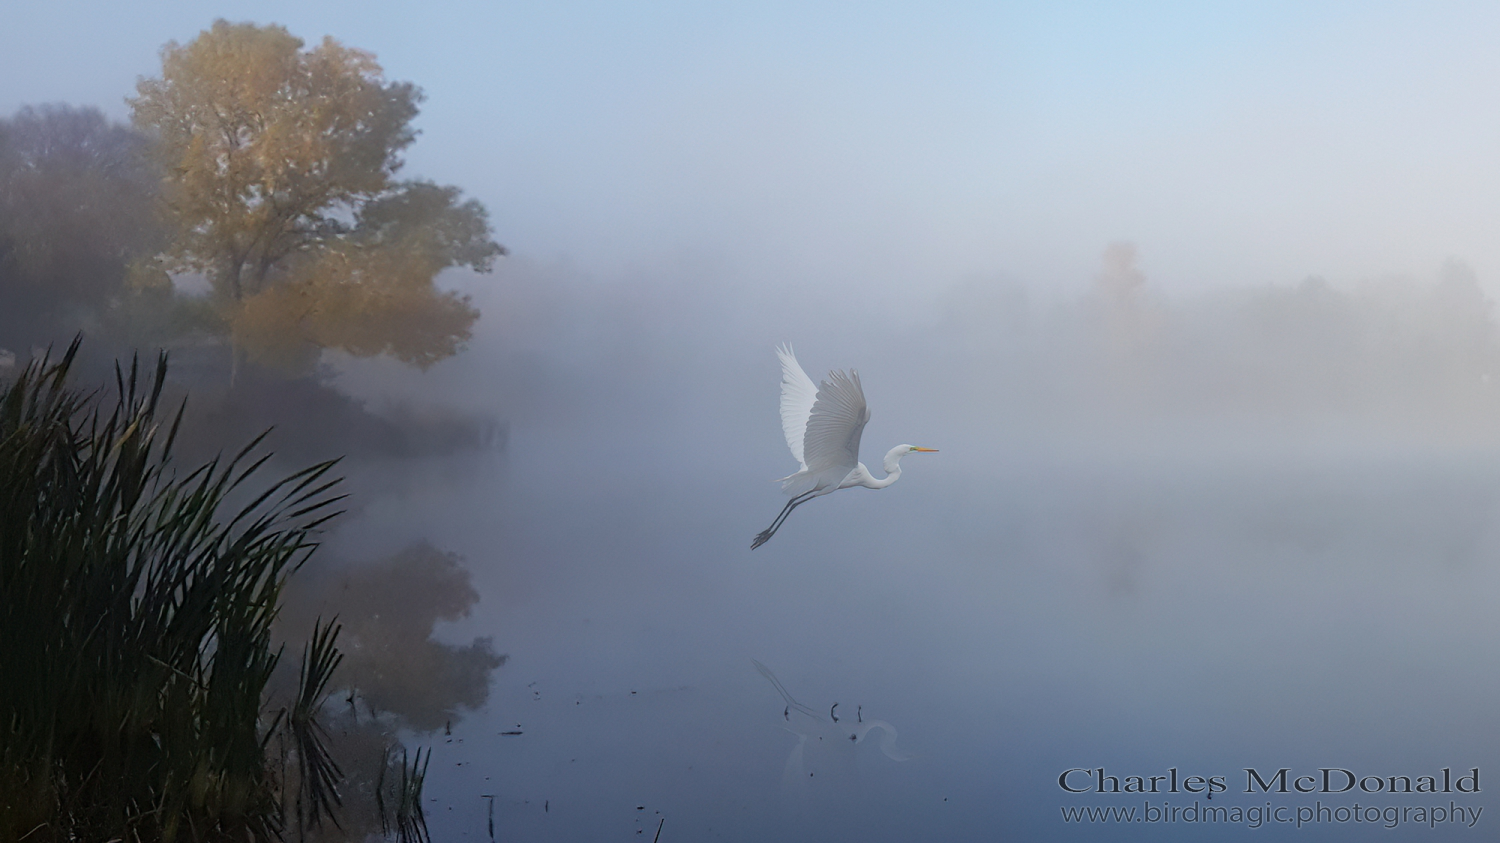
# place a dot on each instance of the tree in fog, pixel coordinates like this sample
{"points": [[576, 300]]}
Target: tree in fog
{"points": [[1127, 325], [1462, 328], [283, 192], [77, 226]]}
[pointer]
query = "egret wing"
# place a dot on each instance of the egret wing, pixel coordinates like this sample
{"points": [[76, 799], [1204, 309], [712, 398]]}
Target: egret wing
{"points": [[838, 420], [797, 396]]}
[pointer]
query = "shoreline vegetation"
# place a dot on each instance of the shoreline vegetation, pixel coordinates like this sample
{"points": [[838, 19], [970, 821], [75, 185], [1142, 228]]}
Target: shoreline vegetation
{"points": [[140, 598], [137, 623]]}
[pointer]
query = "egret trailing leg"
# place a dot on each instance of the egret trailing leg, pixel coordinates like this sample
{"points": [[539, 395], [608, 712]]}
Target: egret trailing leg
{"points": [[765, 535]]}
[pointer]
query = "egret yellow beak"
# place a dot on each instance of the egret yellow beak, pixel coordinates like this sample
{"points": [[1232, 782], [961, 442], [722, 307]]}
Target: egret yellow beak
{"points": [[926, 450]]}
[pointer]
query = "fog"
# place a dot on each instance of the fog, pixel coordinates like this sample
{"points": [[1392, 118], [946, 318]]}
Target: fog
{"points": [[1196, 307], [1208, 552]]}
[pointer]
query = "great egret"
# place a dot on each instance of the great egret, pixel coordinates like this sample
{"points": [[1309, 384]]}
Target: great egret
{"points": [[822, 426]]}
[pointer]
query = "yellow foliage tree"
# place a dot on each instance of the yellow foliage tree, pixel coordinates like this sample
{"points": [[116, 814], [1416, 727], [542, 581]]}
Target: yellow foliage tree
{"points": [[281, 190]]}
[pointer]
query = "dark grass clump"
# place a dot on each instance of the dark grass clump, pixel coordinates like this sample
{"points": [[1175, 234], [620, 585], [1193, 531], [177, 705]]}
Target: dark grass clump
{"points": [[135, 625]]}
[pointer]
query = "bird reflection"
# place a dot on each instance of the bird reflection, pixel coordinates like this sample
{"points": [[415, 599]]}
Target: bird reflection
{"points": [[812, 728]]}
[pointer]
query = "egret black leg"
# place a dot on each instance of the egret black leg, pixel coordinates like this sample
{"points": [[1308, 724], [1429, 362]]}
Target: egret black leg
{"points": [[766, 534], [787, 510], [802, 499]]}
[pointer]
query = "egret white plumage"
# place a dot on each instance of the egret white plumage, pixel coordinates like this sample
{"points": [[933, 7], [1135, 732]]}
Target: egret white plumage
{"points": [[823, 425]]}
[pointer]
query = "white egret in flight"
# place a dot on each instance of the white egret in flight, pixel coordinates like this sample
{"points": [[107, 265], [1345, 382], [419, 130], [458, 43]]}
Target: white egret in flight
{"points": [[822, 426]]}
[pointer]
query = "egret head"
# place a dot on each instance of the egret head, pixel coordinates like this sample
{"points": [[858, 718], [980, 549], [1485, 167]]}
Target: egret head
{"points": [[893, 457]]}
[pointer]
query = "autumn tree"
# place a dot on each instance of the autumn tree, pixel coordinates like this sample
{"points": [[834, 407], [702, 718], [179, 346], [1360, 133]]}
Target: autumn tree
{"points": [[77, 224], [282, 191]]}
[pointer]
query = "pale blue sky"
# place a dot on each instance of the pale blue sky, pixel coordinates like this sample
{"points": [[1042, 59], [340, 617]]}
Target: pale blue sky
{"points": [[882, 146]]}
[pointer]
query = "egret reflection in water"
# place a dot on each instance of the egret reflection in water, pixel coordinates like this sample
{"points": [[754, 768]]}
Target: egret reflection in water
{"points": [[830, 738]]}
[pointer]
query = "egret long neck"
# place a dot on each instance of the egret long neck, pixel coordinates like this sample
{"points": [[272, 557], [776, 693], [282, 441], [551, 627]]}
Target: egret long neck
{"points": [[892, 474], [892, 467], [861, 476]]}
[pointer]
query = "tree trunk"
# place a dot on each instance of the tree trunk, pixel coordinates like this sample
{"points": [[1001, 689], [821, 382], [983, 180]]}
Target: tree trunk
{"points": [[236, 295]]}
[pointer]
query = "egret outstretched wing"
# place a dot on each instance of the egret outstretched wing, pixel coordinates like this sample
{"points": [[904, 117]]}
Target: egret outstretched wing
{"points": [[797, 397], [836, 424]]}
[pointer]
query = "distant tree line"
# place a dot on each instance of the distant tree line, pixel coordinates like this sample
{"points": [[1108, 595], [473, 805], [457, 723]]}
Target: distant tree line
{"points": [[1397, 354]]}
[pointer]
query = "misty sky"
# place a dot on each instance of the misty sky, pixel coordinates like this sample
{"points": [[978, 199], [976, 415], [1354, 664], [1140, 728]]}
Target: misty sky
{"points": [[875, 146], [1073, 580]]}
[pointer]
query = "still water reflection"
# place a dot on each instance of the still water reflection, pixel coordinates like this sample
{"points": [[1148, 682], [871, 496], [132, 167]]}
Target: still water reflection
{"points": [[1141, 616]]}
